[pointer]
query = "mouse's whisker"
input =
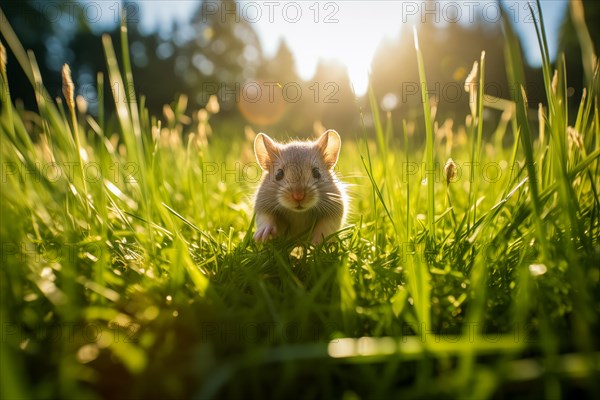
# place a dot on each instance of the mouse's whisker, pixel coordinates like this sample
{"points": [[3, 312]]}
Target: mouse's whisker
{"points": [[329, 206], [335, 197]]}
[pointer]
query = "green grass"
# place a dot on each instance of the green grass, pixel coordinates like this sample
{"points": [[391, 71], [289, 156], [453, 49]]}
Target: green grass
{"points": [[141, 279]]}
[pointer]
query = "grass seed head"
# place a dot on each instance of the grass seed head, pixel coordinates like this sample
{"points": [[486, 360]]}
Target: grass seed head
{"points": [[82, 104], [574, 138], [471, 87], [542, 122], [450, 170], [3, 60], [213, 105], [555, 82], [524, 95], [68, 86]]}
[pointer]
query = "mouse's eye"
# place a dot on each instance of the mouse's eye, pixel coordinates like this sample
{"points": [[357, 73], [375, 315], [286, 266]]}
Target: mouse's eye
{"points": [[279, 175], [316, 173]]}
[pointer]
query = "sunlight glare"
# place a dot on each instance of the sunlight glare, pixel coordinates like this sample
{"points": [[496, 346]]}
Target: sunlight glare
{"points": [[350, 37]]}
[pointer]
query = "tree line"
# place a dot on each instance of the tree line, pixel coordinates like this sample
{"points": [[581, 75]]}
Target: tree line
{"points": [[218, 56]]}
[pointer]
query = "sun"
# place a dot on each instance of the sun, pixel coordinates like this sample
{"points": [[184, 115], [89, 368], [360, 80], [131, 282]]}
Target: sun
{"points": [[348, 32]]}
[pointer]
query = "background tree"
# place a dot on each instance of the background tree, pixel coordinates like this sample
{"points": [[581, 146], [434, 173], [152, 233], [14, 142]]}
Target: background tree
{"points": [[570, 45], [222, 52], [395, 73], [218, 51]]}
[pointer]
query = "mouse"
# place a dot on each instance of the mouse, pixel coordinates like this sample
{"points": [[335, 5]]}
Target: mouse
{"points": [[299, 191]]}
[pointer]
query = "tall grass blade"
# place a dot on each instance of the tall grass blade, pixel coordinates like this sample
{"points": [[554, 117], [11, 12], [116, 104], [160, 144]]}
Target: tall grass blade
{"points": [[429, 150], [588, 51], [517, 78]]}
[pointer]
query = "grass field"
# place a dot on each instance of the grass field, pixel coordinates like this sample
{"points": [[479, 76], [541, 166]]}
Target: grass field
{"points": [[128, 268]]}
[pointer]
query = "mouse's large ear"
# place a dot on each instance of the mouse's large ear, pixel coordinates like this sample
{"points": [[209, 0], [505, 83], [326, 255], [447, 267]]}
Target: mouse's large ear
{"points": [[266, 150], [329, 145]]}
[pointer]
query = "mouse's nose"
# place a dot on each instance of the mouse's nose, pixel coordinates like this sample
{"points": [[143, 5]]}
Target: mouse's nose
{"points": [[298, 195]]}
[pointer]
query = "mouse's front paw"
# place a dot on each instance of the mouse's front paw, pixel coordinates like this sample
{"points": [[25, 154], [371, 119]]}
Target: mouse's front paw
{"points": [[318, 237], [264, 231], [324, 228]]}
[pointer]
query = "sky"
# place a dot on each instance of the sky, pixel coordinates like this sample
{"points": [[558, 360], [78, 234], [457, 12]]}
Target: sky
{"points": [[349, 31]]}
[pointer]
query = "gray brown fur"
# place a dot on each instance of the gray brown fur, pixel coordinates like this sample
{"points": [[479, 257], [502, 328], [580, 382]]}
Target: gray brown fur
{"points": [[322, 204]]}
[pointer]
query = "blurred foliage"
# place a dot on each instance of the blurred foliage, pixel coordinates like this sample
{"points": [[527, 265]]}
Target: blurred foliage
{"points": [[143, 283], [214, 55], [570, 43]]}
